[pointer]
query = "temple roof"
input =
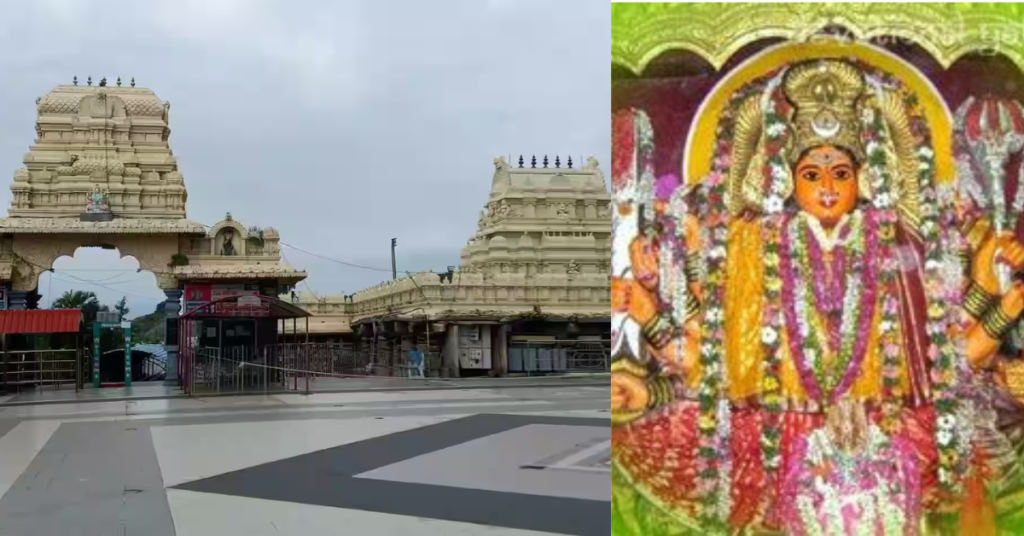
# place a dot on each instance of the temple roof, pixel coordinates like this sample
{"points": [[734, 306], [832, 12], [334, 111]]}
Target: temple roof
{"points": [[277, 270], [65, 99], [30, 225]]}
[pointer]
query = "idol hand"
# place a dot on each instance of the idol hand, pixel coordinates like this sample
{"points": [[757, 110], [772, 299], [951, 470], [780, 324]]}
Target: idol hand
{"points": [[1011, 252], [630, 396], [1012, 303], [983, 271]]}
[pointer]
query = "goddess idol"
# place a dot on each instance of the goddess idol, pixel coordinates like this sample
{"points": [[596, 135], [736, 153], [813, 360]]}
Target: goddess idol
{"points": [[802, 330]]}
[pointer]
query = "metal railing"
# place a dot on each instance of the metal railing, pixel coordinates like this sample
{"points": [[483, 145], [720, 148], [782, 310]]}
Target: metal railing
{"points": [[298, 366], [559, 356], [38, 368], [152, 368], [277, 367]]}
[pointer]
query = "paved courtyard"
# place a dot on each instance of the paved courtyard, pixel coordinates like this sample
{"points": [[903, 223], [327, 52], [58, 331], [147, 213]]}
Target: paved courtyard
{"points": [[523, 461]]}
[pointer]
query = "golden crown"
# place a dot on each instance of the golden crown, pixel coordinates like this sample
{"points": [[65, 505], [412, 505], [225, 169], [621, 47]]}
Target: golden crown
{"points": [[825, 95]]}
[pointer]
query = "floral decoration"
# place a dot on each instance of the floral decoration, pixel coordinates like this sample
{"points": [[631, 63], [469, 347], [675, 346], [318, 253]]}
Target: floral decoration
{"points": [[776, 171]]}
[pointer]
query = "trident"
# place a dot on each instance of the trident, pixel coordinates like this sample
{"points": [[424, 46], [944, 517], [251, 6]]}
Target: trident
{"points": [[993, 130]]}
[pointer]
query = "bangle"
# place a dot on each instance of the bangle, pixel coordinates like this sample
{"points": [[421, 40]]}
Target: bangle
{"points": [[630, 366], [996, 323], [659, 330], [692, 306], [977, 301], [975, 232], [662, 392], [965, 261], [694, 266]]}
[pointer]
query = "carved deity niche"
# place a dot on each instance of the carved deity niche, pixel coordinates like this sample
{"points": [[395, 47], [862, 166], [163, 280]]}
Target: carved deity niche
{"points": [[229, 243]]}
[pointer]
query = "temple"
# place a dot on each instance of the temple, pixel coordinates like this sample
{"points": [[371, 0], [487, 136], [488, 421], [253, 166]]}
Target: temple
{"points": [[101, 173], [531, 292]]}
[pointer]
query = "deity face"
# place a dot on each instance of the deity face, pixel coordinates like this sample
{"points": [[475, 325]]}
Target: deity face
{"points": [[825, 186]]}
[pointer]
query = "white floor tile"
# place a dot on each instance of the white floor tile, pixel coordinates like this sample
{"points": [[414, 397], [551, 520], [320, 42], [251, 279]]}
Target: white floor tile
{"points": [[192, 452], [581, 413], [19, 447], [389, 396], [207, 514]]}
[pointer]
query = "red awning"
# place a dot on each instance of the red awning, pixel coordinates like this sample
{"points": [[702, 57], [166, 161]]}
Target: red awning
{"points": [[40, 321]]}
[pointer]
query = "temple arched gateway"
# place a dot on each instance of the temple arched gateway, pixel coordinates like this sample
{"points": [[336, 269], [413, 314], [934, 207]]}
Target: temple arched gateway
{"points": [[101, 173]]}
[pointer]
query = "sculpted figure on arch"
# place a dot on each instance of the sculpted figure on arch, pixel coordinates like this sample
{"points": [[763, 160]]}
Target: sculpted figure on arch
{"points": [[822, 270]]}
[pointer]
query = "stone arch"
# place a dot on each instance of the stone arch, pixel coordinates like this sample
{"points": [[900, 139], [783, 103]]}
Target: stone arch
{"points": [[34, 254]]}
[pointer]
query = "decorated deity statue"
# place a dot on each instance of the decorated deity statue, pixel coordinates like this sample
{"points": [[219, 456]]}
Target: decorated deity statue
{"points": [[97, 202], [823, 266], [228, 249]]}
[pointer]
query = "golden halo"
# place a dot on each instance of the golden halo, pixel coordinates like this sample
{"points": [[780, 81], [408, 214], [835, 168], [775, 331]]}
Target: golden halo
{"points": [[700, 140]]}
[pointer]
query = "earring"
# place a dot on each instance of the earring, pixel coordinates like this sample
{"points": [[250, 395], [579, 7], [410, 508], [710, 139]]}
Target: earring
{"points": [[864, 184]]}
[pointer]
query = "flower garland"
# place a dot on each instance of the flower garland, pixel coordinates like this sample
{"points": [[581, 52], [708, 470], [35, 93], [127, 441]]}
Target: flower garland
{"points": [[775, 108], [876, 139], [848, 340], [944, 278], [835, 493], [944, 281], [711, 203], [674, 249]]}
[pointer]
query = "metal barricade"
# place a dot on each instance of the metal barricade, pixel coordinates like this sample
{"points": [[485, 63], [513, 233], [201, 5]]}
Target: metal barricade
{"points": [[271, 368], [38, 368], [560, 356]]}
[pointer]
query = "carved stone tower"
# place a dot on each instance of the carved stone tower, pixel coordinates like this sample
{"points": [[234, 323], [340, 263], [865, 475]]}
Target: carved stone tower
{"points": [[110, 139], [542, 223]]}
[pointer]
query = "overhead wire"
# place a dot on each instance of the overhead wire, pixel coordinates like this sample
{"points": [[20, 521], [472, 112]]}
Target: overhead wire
{"points": [[120, 291], [345, 263], [86, 281]]}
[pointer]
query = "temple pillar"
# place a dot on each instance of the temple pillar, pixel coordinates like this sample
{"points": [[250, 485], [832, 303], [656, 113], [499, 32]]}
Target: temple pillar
{"points": [[17, 300], [172, 306], [499, 351], [450, 353]]}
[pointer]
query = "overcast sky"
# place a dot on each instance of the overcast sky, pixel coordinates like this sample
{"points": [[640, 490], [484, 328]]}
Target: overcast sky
{"points": [[342, 124]]}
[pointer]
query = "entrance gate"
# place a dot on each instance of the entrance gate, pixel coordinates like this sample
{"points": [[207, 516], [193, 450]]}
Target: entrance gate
{"points": [[101, 173]]}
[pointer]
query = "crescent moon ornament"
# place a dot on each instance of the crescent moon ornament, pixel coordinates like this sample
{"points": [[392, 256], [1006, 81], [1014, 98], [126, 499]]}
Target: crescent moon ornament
{"points": [[826, 125]]}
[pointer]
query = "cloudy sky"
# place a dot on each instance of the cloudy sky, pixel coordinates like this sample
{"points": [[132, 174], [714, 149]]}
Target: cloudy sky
{"points": [[342, 124]]}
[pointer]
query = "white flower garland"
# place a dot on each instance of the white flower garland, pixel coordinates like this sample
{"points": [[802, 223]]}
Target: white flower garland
{"points": [[877, 506]]}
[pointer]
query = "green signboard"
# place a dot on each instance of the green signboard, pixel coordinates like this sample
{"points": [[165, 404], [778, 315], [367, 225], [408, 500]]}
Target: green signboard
{"points": [[97, 328]]}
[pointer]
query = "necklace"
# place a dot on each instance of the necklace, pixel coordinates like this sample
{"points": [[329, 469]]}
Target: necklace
{"points": [[806, 311], [828, 240]]}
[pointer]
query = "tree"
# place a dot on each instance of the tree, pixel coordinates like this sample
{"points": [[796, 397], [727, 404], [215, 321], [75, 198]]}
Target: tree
{"points": [[74, 299], [122, 307], [84, 300]]}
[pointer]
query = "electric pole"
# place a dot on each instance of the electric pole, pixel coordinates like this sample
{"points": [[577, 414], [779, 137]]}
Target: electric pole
{"points": [[394, 270]]}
